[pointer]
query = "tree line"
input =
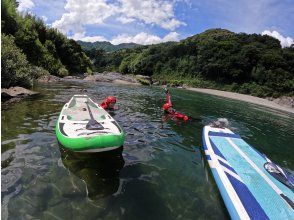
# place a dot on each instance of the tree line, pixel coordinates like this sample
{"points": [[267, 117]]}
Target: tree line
{"points": [[31, 49], [106, 46], [217, 58]]}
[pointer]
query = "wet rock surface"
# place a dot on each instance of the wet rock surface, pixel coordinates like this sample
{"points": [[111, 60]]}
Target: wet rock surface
{"points": [[49, 78], [15, 92], [114, 77], [109, 77], [74, 77]]}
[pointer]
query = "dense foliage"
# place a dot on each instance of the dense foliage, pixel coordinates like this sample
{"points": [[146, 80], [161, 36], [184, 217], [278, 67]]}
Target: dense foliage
{"points": [[16, 70], [217, 58], [35, 46], [106, 46]]}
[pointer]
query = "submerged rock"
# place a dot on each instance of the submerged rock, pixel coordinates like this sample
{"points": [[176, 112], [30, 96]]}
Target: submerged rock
{"points": [[15, 92], [10, 180]]}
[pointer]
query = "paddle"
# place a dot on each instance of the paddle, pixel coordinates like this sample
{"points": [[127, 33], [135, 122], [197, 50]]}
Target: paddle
{"points": [[93, 124]]}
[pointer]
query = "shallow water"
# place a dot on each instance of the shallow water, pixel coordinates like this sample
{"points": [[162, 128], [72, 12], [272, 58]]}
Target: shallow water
{"points": [[159, 174]]}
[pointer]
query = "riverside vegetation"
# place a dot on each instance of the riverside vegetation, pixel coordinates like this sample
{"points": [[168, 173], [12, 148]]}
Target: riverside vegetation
{"points": [[217, 58], [31, 49]]}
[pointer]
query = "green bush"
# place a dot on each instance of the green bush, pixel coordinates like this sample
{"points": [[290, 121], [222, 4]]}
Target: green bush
{"points": [[37, 72], [144, 82], [42, 46], [62, 72], [15, 69]]}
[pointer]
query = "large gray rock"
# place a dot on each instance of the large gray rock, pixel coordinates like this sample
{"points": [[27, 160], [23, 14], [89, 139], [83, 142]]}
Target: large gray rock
{"points": [[14, 92], [48, 79], [111, 77], [74, 77], [98, 78]]}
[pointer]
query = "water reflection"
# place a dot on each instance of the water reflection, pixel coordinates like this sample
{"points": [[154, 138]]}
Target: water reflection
{"points": [[100, 171], [159, 175]]}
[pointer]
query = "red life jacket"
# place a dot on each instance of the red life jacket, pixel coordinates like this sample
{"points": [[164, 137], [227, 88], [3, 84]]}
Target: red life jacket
{"points": [[105, 105], [173, 114], [178, 115]]}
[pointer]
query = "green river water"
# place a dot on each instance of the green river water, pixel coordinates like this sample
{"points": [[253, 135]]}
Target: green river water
{"points": [[160, 173]]}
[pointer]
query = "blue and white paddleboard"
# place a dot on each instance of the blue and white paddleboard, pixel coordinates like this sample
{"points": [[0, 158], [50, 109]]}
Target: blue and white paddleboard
{"points": [[251, 185]]}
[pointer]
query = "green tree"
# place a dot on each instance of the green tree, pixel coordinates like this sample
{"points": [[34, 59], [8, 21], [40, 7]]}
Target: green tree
{"points": [[15, 69], [9, 17]]}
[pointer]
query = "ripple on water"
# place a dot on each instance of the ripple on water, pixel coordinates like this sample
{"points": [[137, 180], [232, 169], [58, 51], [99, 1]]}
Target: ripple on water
{"points": [[159, 174]]}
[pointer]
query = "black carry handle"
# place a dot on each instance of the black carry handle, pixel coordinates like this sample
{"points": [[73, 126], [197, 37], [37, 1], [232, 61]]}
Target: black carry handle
{"points": [[93, 124]]}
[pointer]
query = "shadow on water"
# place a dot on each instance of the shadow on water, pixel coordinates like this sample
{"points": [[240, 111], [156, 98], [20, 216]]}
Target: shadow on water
{"points": [[100, 171]]}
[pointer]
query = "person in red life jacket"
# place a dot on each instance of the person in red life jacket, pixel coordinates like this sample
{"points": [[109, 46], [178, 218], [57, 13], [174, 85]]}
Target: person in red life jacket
{"points": [[108, 103], [170, 112]]}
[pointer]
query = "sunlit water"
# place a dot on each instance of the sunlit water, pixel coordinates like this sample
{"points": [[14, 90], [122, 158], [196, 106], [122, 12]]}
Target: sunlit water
{"points": [[159, 174]]}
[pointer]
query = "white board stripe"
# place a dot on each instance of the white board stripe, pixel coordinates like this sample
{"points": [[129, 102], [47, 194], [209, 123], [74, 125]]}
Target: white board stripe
{"points": [[223, 160], [268, 180], [226, 182], [214, 164], [254, 166], [232, 174], [218, 157]]}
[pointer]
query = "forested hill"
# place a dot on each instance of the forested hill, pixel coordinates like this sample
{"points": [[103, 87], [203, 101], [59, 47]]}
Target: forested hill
{"points": [[30, 49], [106, 46], [217, 58]]}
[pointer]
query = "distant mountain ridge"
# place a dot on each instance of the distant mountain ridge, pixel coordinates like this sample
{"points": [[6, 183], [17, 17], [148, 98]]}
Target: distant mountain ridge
{"points": [[105, 45]]}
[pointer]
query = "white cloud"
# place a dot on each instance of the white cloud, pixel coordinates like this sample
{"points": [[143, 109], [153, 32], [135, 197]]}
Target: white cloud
{"points": [[44, 18], [82, 37], [125, 20], [144, 38], [25, 5], [80, 13], [172, 24], [94, 39], [141, 38], [157, 12], [285, 41], [172, 36]]}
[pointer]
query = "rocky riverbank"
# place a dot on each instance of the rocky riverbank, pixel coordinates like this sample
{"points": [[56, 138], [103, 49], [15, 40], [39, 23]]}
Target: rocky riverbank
{"points": [[109, 77], [15, 93], [118, 78], [284, 103]]}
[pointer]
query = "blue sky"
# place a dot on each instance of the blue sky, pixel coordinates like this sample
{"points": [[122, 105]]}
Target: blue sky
{"points": [[154, 21]]}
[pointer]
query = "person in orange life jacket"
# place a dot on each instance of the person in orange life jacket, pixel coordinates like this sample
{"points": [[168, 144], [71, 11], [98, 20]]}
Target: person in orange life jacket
{"points": [[108, 103], [170, 112]]}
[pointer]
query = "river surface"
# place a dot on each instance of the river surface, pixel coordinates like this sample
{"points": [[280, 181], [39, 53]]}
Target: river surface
{"points": [[160, 173]]}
